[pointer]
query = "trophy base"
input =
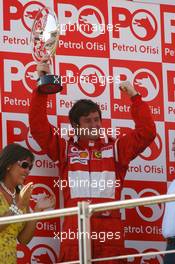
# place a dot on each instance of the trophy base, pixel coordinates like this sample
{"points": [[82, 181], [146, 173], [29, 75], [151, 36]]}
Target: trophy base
{"points": [[49, 84]]}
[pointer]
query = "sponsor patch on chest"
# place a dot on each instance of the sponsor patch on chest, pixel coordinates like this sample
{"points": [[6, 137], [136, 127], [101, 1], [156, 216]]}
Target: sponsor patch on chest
{"points": [[78, 156]]}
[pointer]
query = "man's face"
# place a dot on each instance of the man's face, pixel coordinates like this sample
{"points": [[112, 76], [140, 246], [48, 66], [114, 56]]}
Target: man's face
{"points": [[89, 126]]}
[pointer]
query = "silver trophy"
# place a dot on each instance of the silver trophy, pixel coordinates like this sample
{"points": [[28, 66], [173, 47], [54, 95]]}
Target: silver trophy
{"points": [[44, 39]]}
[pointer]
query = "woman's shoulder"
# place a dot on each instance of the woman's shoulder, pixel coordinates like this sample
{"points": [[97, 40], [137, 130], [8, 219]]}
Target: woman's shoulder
{"points": [[3, 199]]}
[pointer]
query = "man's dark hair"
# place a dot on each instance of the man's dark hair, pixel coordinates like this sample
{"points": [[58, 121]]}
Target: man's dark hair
{"points": [[82, 107], [10, 155]]}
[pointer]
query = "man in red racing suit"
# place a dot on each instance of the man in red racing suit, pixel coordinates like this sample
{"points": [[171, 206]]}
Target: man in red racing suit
{"points": [[101, 162]]}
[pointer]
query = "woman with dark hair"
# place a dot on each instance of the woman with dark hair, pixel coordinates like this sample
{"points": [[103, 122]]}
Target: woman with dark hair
{"points": [[15, 165]]}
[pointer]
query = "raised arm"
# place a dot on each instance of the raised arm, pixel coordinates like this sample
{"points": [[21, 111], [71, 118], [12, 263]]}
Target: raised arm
{"points": [[135, 142], [42, 131]]}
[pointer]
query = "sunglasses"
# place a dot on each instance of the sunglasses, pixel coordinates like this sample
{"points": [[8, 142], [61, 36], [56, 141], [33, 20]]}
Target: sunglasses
{"points": [[25, 164]]}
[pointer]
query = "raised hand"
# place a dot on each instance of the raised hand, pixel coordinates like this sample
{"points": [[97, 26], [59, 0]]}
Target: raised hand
{"points": [[128, 88], [43, 68], [24, 195]]}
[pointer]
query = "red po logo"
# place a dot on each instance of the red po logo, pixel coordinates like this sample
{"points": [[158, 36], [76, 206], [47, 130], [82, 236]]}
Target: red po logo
{"points": [[26, 13], [142, 23]]}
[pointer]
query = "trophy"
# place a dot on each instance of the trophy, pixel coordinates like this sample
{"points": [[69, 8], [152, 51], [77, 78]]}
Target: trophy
{"points": [[44, 39]]}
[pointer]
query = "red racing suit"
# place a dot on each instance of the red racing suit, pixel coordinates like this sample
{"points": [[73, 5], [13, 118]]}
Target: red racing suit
{"points": [[102, 165]]}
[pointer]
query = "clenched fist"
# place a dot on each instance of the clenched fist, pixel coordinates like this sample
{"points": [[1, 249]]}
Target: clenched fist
{"points": [[43, 68], [128, 88]]}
